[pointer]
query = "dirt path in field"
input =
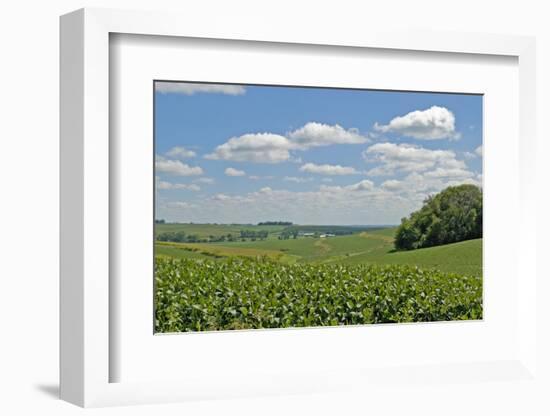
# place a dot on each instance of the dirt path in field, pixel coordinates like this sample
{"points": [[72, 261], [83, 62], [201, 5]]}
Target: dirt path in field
{"points": [[384, 238], [323, 246]]}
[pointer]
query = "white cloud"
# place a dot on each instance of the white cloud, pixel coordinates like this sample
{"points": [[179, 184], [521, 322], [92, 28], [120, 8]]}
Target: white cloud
{"points": [[357, 203], [328, 169], [175, 167], [180, 204], [318, 134], [431, 124], [169, 185], [479, 180], [208, 181], [297, 179], [258, 148], [393, 158], [392, 185], [188, 88], [479, 151], [364, 185], [221, 197], [327, 180], [257, 178], [275, 148], [180, 152], [416, 186], [234, 172], [452, 173]]}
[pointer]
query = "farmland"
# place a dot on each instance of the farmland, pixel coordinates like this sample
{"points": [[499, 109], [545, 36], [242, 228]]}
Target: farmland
{"points": [[363, 246], [280, 281], [249, 293]]}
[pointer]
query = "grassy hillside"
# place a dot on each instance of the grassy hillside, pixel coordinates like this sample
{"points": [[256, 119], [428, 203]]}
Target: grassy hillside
{"points": [[366, 247], [463, 258], [206, 250]]}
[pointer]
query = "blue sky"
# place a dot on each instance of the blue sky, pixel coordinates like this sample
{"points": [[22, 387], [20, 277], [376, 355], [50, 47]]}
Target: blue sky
{"points": [[244, 154]]}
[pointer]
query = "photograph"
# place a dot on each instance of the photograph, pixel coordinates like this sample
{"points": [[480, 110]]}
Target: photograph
{"points": [[301, 206]]}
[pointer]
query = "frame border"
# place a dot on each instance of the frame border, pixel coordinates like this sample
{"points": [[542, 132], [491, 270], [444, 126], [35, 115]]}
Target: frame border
{"points": [[84, 177]]}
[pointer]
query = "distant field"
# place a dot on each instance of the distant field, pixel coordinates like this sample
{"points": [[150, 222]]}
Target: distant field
{"points": [[206, 250], [204, 231], [365, 246], [216, 230]]}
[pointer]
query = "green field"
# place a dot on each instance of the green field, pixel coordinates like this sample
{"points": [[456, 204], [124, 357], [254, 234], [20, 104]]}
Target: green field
{"points": [[362, 247], [276, 282], [259, 293], [215, 251]]}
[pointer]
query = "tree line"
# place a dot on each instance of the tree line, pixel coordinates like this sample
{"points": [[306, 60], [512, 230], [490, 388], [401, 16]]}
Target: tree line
{"points": [[182, 237], [455, 214]]}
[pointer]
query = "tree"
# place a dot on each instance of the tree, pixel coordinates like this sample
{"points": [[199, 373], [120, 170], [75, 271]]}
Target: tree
{"points": [[407, 235], [455, 214]]}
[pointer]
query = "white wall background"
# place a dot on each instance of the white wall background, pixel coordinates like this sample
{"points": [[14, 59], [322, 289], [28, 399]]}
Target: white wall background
{"points": [[29, 179]]}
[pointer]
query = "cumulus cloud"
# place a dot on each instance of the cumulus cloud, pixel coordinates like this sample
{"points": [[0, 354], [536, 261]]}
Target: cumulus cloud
{"points": [[364, 185], [234, 172], [180, 205], [188, 88], [361, 202], [275, 148], [452, 173], [169, 185], [418, 185], [297, 179], [392, 158], [221, 197], [176, 167], [479, 151], [328, 169], [180, 152], [431, 124], [391, 185], [208, 181], [318, 134], [257, 147]]}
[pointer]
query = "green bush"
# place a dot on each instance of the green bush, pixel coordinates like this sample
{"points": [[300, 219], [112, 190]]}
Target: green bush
{"points": [[453, 215]]}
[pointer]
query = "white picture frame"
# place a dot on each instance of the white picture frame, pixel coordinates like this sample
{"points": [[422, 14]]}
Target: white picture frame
{"points": [[85, 353]]}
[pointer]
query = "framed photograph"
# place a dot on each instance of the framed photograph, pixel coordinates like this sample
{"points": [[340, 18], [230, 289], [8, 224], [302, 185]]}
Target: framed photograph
{"points": [[289, 206], [281, 213]]}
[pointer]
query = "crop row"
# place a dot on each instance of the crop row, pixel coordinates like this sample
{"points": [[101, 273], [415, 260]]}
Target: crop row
{"points": [[201, 295]]}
